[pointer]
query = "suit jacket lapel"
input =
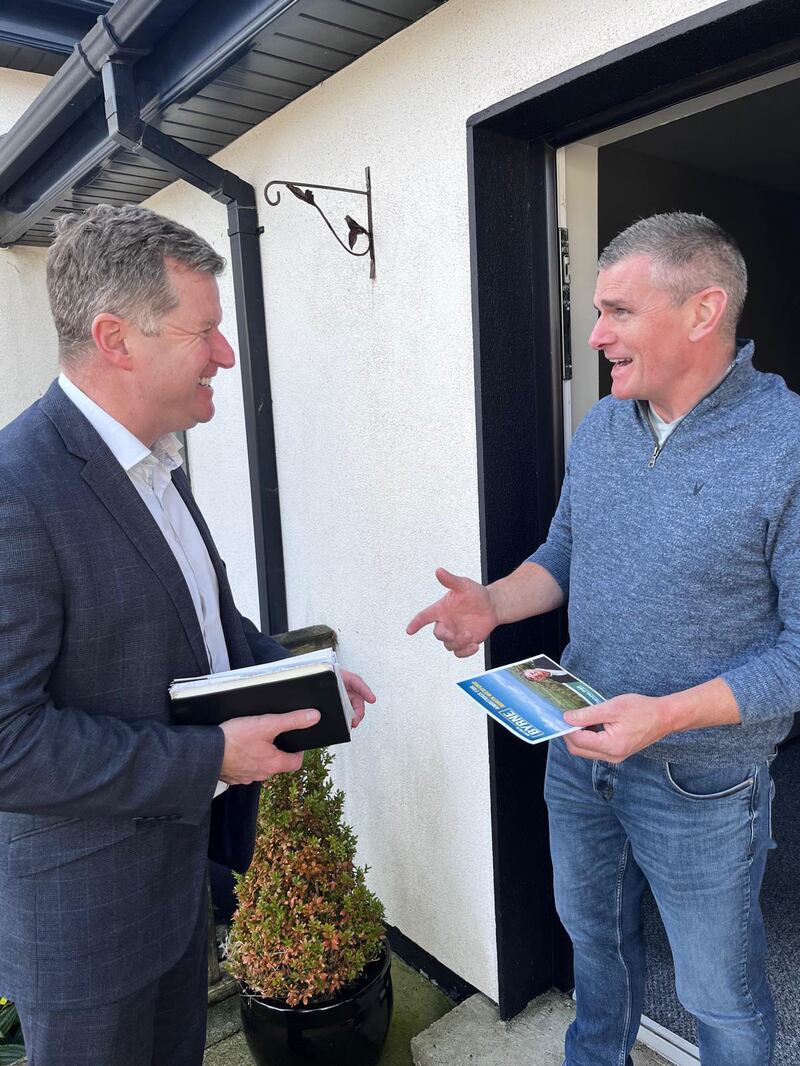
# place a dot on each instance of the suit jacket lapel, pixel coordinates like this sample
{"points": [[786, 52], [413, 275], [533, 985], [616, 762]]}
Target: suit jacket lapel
{"points": [[104, 475]]}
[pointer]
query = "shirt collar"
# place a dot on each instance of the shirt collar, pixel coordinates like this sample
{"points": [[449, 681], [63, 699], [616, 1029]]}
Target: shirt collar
{"points": [[127, 449]]}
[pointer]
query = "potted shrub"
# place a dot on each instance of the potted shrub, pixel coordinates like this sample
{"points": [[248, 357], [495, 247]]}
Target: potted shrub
{"points": [[307, 940]]}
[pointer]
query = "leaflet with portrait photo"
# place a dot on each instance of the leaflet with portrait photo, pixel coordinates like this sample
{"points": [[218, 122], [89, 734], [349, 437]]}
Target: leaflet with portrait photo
{"points": [[530, 696]]}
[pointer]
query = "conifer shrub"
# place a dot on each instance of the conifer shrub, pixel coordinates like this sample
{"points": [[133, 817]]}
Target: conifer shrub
{"points": [[306, 924]]}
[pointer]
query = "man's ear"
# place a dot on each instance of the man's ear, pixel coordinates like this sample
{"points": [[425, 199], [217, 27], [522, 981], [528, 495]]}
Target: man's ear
{"points": [[707, 307], [109, 333]]}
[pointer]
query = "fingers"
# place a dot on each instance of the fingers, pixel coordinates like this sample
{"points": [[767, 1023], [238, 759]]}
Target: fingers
{"points": [[590, 745], [286, 763], [434, 611], [359, 693], [598, 714], [461, 644], [466, 651], [282, 723], [357, 705], [358, 716], [423, 618], [357, 686], [450, 581]]}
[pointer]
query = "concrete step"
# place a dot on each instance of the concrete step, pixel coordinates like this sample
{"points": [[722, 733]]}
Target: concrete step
{"points": [[473, 1035]]}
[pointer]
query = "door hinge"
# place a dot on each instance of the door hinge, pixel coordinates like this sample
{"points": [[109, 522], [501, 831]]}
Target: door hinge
{"points": [[566, 329]]}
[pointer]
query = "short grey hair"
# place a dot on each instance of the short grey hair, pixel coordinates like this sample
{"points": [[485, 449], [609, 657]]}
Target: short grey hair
{"points": [[688, 253], [112, 259]]}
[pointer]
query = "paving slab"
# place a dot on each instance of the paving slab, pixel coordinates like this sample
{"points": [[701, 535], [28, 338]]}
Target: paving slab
{"points": [[224, 1019], [230, 1052], [473, 1035]]}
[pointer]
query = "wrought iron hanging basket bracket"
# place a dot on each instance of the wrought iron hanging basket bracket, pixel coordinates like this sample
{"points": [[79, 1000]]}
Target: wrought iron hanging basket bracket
{"points": [[303, 191]]}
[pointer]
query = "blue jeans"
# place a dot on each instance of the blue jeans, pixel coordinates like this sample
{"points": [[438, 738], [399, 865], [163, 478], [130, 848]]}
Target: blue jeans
{"points": [[699, 836]]}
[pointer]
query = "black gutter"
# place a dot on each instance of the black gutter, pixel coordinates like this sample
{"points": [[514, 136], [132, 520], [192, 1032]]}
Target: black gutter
{"points": [[63, 131], [127, 128], [132, 24], [51, 26]]}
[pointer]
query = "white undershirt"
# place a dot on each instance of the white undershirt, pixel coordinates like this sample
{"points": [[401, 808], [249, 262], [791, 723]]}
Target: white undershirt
{"points": [[150, 472], [661, 428]]}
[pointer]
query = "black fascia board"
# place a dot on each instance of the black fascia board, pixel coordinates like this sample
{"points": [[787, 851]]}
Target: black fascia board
{"points": [[63, 170], [38, 169], [215, 37], [133, 25]]}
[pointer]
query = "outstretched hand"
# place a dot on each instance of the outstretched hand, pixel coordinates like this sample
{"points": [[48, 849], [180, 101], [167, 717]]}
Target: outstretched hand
{"points": [[463, 618]]}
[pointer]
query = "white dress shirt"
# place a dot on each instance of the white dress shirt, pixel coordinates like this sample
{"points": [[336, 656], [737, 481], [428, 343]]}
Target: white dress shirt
{"points": [[150, 472]]}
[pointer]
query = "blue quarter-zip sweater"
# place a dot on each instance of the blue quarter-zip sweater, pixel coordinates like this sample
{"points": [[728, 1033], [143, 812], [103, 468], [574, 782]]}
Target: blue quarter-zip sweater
{"points": [[684, 565]]}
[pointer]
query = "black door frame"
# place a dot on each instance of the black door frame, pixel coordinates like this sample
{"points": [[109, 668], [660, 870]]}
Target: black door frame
{"points": [[517, 331]]}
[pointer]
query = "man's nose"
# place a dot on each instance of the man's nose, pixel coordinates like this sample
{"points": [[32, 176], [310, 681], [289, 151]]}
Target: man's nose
{"points": [[224, 355], [601, 336]]}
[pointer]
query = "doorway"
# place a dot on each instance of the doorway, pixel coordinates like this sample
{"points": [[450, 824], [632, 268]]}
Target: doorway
{"points": [[519, 379], [726, 156]]}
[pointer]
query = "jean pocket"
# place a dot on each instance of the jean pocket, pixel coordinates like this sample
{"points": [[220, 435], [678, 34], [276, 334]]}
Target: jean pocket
{"points": [[709, 783]]}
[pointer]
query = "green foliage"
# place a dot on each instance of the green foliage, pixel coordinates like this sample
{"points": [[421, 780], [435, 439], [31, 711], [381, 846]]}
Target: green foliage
{"points": [[11, 1049], [306, 924]]}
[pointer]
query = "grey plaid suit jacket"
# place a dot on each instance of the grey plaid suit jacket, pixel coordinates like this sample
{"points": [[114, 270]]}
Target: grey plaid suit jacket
{"points": [[105, 808]]}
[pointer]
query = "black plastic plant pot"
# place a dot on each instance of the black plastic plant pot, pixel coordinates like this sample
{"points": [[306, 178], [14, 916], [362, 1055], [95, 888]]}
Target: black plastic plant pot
{"points": [[348, 1031]]}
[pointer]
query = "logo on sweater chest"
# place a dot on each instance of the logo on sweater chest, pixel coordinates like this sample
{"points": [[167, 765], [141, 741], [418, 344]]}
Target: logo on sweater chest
{"points": [[698, 488]]}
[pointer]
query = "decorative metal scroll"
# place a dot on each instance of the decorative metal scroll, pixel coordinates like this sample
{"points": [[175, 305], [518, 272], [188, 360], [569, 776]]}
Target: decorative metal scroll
{"points": [[355, 230]]}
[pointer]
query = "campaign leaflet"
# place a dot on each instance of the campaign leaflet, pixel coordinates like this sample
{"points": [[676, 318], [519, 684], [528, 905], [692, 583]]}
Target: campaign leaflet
{"points": [[529, 697]]}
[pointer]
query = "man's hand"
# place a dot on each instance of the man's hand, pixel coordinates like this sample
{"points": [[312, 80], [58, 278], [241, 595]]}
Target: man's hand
{"points": [[250, 752], [630, 723], [463, 618], [359, 692]]}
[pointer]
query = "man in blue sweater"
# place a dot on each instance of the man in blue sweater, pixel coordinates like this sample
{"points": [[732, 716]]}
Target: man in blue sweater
{"points": [[677, 544]]}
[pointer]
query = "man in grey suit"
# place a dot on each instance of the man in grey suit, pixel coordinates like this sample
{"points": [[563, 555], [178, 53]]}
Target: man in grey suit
{"points": [[112, 587]]}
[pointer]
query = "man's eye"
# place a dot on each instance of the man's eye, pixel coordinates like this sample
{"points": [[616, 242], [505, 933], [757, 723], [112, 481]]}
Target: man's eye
{"points": [[620, 312]]}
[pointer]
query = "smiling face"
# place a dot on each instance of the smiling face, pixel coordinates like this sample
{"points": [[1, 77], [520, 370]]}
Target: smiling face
{"points": [[644, 336], [169, 386]]}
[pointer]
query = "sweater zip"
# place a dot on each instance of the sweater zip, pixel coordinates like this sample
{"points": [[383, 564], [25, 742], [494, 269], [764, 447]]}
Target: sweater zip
{"points": [[656, 450], [659, 447]]}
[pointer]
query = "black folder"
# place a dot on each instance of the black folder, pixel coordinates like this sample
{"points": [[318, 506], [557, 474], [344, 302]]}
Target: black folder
{"points": [[286, 689]]}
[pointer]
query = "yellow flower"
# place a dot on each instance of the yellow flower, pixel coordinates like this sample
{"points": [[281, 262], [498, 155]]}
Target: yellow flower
{"points": [[3, 1001]]}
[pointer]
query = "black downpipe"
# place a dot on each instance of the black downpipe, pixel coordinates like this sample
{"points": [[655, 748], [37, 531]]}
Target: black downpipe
{"points": [[127, 128]]}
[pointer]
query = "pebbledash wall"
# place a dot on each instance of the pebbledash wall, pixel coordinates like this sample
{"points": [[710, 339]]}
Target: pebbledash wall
{"points": [[375, 423]]}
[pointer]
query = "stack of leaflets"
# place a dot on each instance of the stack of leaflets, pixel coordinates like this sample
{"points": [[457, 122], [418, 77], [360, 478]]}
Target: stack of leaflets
{"points": [[529, 697], [312, 680]]}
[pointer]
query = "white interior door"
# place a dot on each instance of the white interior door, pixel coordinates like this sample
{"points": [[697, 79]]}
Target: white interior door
{"points": [[576, 167]]}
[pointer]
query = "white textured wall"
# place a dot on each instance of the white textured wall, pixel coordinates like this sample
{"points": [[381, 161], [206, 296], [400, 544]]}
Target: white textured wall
{"points": [[28, 355], [373, 397]]}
